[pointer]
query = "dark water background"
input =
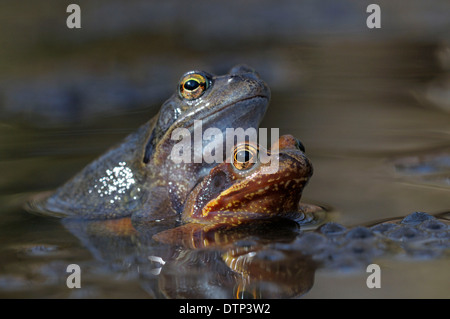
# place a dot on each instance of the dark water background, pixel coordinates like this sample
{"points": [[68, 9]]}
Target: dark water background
{"points": [[371, 107]]}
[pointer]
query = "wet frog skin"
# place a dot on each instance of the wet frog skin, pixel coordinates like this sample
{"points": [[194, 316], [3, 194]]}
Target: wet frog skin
{"points": [[245, 188], [132, 178]]}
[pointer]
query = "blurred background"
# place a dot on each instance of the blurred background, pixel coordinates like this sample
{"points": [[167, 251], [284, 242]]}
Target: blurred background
{"points": [[372, 106]]}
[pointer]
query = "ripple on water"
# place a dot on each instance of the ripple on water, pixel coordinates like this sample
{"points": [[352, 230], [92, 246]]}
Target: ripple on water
{"points": [[39, 250], [270, 255], [426, 169]]}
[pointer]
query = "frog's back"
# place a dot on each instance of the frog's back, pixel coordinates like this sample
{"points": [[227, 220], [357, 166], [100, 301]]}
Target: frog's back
{"points": [[109, 187]]}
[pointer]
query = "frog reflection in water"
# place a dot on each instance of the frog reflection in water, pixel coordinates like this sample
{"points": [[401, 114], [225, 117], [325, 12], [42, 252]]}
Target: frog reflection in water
{"points": [[239, 199], [239, 208], [132, 178]]}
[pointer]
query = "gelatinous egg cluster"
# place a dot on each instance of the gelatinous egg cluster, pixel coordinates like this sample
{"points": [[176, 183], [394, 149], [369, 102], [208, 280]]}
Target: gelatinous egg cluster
{"points": [[418, 236]]}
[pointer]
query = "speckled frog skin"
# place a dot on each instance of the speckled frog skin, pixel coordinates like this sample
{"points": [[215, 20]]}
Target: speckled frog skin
{"points": [[245, 188], [132, 178]]}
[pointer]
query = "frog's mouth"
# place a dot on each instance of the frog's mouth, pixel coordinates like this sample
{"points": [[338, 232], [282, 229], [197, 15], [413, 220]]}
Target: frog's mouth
{"points": [[250, 114], [250, 201], [239, 196]]}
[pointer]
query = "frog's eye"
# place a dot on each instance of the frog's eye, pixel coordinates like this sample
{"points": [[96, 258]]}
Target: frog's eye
{"points": [[244, 157], [193, 85]]}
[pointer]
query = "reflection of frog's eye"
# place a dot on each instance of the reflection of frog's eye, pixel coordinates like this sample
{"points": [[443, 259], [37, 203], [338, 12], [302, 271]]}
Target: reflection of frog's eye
{"points": [[244, 157], [193, 85]]}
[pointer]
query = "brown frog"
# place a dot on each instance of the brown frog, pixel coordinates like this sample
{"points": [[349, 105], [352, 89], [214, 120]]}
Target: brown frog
{"points": [[246, 189], [132, 178]]}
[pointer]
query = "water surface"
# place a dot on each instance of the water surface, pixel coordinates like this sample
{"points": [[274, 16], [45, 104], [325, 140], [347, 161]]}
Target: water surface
{"points": [[373, 116]]}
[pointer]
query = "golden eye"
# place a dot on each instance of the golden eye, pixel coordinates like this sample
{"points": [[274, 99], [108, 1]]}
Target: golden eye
{"points": [[193, 85], [244, 156]]}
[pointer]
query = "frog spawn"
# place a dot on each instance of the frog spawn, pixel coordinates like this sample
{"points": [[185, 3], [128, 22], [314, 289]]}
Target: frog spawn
{"points": [[417, 236]]}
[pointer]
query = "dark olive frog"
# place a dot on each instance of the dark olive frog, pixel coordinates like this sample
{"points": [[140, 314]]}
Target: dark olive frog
{"points": [[137, 178]]}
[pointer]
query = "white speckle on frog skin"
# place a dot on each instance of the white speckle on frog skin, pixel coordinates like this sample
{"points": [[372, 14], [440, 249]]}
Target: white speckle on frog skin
{"points": [[115, 182]]}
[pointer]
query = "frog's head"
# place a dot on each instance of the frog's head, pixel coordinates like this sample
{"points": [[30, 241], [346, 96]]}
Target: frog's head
{"points": [[246, 188], [237, 99]]}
